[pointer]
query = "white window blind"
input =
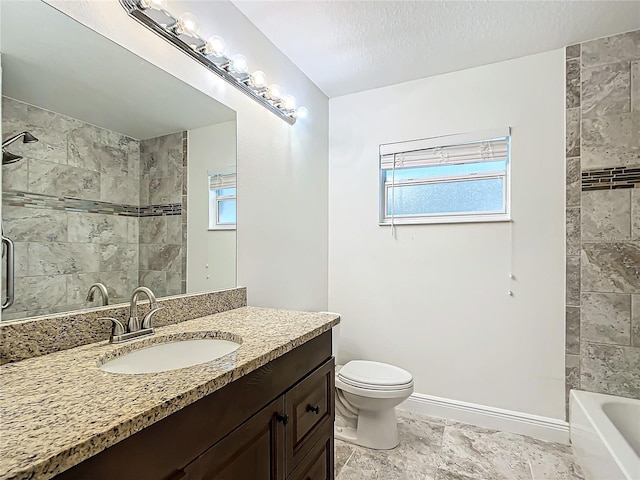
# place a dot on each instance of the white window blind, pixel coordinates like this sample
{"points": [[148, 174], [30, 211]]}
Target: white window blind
{"points": [[486, 146], [222, 180], [454, 178]]}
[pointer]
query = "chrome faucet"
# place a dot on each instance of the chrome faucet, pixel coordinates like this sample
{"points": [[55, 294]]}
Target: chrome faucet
{"points": [[103, 292], [134, 323], [135, 328]]}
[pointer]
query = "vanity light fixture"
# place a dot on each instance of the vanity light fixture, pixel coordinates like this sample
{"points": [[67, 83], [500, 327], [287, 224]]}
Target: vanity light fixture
{"points": [[183, 32]]}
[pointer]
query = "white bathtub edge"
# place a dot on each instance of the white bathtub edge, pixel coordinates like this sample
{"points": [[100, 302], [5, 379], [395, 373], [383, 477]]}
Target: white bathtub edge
{"points": [[609, 459], [542, 428]]}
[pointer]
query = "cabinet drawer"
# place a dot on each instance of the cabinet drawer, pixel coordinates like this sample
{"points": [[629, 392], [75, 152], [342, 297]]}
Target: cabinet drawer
{"points": [[310, 407], [318, 464]]}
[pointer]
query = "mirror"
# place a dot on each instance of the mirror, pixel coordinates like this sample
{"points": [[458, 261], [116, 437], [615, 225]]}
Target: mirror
{"points": [[117, 189]]}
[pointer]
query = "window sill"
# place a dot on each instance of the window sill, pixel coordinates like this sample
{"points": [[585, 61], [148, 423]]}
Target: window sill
{"points": [[447, 219], [217, 229]]}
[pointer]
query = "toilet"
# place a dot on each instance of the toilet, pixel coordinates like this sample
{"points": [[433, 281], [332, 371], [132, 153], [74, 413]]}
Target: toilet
{"points": [[367, 394]]}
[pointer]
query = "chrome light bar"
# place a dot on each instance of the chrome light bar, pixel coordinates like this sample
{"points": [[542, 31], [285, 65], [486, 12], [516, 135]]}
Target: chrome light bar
{"points": [[182, 32]]}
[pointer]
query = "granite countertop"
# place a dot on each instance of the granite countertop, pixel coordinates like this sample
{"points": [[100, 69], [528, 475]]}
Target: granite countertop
{"points": [[60, 409]]}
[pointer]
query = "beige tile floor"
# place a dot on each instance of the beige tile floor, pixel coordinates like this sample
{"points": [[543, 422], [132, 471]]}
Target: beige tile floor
{"points": [[435, 449]]}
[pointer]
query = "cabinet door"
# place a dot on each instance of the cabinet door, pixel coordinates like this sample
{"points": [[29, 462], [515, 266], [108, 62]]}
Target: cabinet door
{"points": [[310, 408], [252, 451], [318, 464]]}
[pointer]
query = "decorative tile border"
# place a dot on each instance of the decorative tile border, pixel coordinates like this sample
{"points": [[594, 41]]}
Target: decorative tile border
{"points": [[37, 200], [610, 178], [160, 210]]}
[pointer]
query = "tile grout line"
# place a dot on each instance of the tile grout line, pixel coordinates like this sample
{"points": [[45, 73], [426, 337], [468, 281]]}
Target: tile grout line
{"points": [[631, 211], [439, 456], [346, 462], [579, 365]]}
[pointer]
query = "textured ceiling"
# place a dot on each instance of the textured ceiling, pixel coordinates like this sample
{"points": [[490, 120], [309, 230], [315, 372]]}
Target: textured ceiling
{"points": [[350, 46]]}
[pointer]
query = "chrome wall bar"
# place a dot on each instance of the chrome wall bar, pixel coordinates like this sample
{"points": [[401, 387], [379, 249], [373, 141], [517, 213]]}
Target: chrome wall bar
{"points": [[11, 273], [134, 10]]}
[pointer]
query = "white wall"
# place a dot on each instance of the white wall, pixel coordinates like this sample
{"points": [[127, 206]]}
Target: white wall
{"points": [[282, 169], [211, 254], [434, 299], [2, 259]]}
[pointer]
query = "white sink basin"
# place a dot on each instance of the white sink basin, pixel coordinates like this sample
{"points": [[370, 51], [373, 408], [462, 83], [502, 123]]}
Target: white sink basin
{"points": [[171, 356]]}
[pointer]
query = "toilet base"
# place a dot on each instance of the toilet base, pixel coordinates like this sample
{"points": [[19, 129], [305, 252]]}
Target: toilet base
{"points": [[376, 429], [346, 434]]}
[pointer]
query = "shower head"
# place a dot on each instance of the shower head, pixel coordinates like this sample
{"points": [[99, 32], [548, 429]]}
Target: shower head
{"points": [[8, 157], [26, 138]]}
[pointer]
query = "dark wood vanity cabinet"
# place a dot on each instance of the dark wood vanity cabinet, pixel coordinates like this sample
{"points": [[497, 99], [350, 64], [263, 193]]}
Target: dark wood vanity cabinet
{"points": [[275, 423], [273, 444], [254, 450]]}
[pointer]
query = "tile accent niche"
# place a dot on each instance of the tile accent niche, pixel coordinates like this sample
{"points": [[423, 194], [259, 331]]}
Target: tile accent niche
{"points": [[603, 215], [89, 205]]}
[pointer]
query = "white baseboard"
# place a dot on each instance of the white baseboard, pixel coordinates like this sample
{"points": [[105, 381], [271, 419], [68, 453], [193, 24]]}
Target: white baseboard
{"points": [[543, 428]]}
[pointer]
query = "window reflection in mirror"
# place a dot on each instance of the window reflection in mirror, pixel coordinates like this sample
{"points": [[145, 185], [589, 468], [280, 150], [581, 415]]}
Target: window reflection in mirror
{"points": [[222, 201]]}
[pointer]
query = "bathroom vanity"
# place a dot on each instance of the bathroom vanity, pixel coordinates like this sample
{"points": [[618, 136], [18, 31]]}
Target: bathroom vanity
{"points": [[231, 434], [265, 411]]}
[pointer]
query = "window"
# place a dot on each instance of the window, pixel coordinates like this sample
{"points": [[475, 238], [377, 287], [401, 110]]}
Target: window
{"points": [[457, 178], [222, 201]]}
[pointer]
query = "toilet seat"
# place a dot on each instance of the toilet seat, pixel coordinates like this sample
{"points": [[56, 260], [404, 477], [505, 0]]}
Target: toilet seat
{"points": [[368, 375]]}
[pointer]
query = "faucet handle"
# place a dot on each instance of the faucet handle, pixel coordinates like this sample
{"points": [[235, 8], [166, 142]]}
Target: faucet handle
{"points": [[117, 328], [146, 320]]}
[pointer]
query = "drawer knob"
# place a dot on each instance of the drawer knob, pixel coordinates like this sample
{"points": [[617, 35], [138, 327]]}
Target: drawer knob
{"points": [[313, 409], [283, 418]]}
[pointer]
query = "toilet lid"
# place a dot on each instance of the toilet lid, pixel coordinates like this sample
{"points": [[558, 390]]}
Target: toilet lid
{"points": [[374, 374]]}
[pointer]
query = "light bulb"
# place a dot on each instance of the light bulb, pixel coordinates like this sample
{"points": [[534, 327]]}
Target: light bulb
{"points": [[289, 102], [275, 92], [155, 4], [188, 24], [215, 46], [239, 63], [301, 112], [258, 79]]}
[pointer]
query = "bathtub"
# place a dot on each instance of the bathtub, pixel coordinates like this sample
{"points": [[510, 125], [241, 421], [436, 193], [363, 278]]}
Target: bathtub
{"points": [[605, 434]]}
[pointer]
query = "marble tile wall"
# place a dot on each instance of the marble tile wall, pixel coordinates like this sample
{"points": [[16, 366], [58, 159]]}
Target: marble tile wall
{"points": [[162, 239], [90, 205], [603, 215], [49, 200]]}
